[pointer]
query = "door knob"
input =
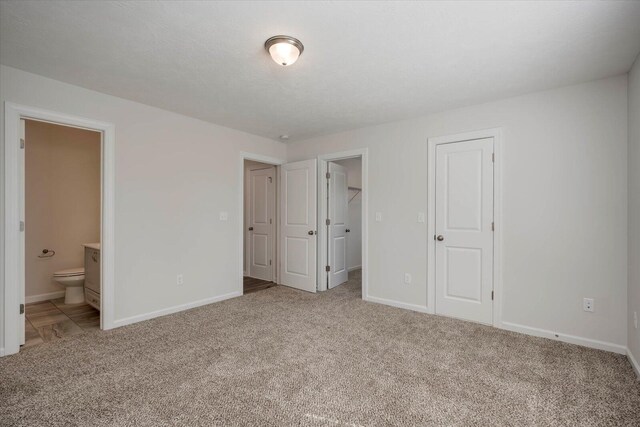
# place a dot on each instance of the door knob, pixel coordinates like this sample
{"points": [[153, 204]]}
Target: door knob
{"points": [[250, 228], [440, 238], [311, 233], [347, 230]]}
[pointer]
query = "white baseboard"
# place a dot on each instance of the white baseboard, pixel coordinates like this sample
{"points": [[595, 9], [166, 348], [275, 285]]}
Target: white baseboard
{"points": [[571, 339], [43, 297], [357, 267], [634, 363], [1, 351], [174, 309], [527, 330], [398, 304]]}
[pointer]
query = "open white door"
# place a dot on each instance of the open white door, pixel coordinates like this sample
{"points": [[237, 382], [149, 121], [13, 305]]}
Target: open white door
{"points": [[464, 232], [337, 228], [21, 239], [298, 192], [262, 210]]}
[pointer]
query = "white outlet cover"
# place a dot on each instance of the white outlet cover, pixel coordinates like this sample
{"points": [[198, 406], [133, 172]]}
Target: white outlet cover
{"points": [[588, 304], [224, 216], [407, 278], [180, 279], [420, 216]]}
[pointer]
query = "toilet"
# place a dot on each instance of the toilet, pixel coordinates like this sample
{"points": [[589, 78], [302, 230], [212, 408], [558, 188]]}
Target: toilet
{"points": [[73, 282]]}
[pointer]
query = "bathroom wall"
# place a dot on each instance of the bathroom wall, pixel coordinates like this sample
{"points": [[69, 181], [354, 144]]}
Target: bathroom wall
{"points": [[62, 201], [354, 214]]}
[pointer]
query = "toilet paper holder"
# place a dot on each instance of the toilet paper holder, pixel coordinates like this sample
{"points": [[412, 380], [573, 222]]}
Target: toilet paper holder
{"points": [[47, 253]]}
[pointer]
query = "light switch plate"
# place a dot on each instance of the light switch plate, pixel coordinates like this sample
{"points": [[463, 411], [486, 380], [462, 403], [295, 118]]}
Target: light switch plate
{"points": [[224, 216], [378, 216], [420, 216]]}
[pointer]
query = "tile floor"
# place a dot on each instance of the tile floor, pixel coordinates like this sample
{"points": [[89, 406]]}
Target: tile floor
{"points": [[51, 320]]}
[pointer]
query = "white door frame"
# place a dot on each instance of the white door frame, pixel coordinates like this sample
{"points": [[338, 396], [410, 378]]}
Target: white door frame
{"points": [[248, 250], [13, 257], [269, 161], [323, 161], [496, 134]]}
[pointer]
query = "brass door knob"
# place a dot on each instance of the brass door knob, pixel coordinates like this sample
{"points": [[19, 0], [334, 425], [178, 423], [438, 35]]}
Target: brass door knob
{"points": [[440, 238]]}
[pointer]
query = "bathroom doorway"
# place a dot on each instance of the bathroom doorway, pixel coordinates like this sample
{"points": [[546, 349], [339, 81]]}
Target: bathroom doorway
{"points": [[14, 242], [62, 210]]}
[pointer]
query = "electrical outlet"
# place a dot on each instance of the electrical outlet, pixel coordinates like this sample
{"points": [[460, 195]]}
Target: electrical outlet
{"points": [[635, 319], [407, 278], [420, 216], [180, 280], [588, 304], [378, 216]]}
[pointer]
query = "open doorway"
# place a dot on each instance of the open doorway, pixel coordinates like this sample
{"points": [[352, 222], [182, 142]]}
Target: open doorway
{"points": [[15, 224], [260, 226], [342, 207], [62, 211], [344, 211]]}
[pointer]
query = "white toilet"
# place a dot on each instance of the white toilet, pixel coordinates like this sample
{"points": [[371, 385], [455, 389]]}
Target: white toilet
{"points": [[73, 281]]}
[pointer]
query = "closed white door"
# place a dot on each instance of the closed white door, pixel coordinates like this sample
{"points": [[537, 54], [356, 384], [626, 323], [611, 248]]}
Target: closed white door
{"points": [[298, 193], [337, 228], [262, 198], [464, 230]]}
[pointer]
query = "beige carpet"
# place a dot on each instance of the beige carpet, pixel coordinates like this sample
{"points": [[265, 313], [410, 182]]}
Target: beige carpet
{"points": [[284, 357]]}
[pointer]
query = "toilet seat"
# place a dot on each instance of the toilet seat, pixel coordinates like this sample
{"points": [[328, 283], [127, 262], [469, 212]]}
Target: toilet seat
{"points": [[70, 272]]}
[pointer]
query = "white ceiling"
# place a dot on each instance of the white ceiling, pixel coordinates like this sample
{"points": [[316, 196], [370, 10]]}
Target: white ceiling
{"points": [[364, 62]]}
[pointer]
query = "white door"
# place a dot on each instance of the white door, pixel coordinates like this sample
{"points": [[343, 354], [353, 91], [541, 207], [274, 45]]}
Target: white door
{"points": [[262, 197], [298, 190], [21, 239], [337, 228], [464, 235]]}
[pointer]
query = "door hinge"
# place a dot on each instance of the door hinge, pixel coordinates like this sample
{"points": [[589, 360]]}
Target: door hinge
{"points": [[269, 262], [491, 295], [328, 175], [21, 225], [327, 268], [22, 143], [270, 221], [21, 308], [493, 157], [493, 226], [328, 221]]}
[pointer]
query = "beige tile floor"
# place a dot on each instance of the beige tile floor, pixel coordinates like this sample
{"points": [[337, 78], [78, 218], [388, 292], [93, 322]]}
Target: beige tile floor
{"points": [[51, 320]]}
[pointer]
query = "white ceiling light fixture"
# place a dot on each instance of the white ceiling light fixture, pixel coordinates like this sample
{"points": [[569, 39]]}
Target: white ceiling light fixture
{"points": [[284, 50]]}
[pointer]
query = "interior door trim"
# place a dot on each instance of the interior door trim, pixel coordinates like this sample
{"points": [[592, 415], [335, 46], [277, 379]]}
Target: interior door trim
{"points": [[323, 161], [241, 223]]}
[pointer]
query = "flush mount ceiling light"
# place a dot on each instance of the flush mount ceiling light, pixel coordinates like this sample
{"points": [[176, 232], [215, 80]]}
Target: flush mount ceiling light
{"points": [[284, 50]]}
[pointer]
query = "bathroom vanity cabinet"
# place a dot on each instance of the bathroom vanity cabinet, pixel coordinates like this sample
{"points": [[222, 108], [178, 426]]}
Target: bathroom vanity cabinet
{"points": [[92, 274]]}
